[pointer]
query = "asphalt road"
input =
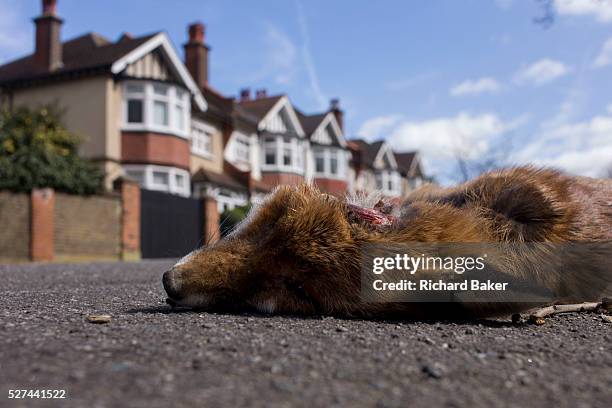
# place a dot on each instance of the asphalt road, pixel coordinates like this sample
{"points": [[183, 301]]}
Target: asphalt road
{"points": [[149, 356]]}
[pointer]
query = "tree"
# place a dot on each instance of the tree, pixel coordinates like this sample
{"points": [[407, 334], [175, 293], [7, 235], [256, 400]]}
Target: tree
{"points": [[231, 218], [36, 151]]}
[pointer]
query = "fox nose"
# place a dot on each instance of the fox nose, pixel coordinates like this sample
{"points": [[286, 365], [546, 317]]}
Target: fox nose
{"points": [[170, 285]]}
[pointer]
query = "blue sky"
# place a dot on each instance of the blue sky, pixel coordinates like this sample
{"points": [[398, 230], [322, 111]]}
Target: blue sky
{"points": [[470, 78]]}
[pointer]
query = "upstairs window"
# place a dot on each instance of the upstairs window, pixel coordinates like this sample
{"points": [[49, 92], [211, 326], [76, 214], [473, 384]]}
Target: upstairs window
{"points": [[135, 96], [160, 105], [330, 162], [283, 154], [156, 107], [242, 147], [201, 141]]}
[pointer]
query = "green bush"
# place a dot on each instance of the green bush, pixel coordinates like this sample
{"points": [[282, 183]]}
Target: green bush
{"points": [[36, 151], [231, 218]]}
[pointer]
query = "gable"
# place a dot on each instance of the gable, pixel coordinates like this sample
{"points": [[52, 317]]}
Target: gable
{"points": [[323, 135], [282, 118], [328, 132], [151, 66], [385, 158], [160, 44]]}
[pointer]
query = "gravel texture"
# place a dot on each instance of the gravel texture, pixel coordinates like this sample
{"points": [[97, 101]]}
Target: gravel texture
{"points": [[149, 356]]}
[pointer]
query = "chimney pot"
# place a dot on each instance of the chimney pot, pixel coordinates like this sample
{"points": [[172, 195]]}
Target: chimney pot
{"points": [[196, 33], [245, 94], [334, 107], [261, 93], [49, 7]]}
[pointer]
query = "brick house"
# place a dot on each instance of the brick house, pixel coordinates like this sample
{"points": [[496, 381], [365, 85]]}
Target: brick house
{"points": [[147, 114], [375, 166]]}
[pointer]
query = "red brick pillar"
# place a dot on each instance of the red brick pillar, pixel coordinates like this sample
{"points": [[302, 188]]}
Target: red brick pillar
{"points": [[42, 207], [130, 219], [211, 221]]}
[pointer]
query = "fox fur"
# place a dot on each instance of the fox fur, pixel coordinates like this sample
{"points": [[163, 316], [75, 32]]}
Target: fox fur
{"points": [[300, 251]]}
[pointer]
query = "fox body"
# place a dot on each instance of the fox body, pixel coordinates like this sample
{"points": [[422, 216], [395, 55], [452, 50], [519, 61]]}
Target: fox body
{"points": [[300, 251]]}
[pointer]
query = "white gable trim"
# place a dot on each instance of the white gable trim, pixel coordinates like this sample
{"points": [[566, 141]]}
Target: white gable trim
{"points": [[330, 118], [161, 40], [386, 150], [283, 103]]}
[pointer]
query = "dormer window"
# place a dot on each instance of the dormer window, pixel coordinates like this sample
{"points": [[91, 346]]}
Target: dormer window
{"points": [[156, 107]]}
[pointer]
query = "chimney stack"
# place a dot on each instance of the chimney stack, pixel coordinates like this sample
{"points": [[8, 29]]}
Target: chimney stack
{"points": [[334, 107], [261, 93], [196, 54], [245, 94], [48, 52]]}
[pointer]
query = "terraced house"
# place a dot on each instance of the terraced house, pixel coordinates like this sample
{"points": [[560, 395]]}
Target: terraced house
{"points": [[147, 114]]}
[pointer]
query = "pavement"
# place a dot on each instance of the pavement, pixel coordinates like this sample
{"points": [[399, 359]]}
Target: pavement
{"points": [[150, 356]]}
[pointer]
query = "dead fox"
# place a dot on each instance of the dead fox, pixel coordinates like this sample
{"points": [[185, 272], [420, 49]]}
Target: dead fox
{"points": [[301, 251]]}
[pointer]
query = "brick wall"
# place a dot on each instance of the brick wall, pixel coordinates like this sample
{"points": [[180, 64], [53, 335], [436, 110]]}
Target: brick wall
{"points": [[153, 148], [331, 186], [14, 226], [273, 179], [87, 227]]}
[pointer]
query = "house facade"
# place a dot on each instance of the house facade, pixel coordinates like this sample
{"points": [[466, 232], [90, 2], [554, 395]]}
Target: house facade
{"points": [[147, 114]]}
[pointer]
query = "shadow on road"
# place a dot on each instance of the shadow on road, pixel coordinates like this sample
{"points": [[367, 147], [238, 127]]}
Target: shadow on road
{"points": [[166, 310]]}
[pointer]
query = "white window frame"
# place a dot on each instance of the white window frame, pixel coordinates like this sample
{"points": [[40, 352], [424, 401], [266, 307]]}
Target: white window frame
{"points": [[278, 144], [326, 153], [176, 96], [148, 182], [242, 148], [384, 177], [202, 134]]}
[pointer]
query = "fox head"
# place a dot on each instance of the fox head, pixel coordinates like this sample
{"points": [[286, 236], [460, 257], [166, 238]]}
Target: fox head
{"points": [[296, 252]]}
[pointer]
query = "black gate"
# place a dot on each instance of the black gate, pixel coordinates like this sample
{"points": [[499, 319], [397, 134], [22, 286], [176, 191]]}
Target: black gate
{"points": [[170, 226]]}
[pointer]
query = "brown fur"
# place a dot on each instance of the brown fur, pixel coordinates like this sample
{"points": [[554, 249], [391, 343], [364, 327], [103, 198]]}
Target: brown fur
{"points": [[300, 251]]}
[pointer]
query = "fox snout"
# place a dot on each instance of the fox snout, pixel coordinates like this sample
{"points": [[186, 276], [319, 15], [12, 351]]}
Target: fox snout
{"points": [[170, 287]]}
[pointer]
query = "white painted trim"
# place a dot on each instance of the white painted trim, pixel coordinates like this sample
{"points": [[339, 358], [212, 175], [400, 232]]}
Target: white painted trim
{"points": [[385, 149], [148, 184], [161, 40], [148, 98], [283, 102], [330, 118]]}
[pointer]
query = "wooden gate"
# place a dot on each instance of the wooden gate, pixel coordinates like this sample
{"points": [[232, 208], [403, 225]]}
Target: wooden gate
{"points": [[170, 226]]}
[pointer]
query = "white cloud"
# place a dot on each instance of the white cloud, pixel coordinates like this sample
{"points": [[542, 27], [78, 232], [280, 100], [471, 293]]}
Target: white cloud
{"points": [[605, 55], [377, 127], [583, 148], [542, 72], [475, 87], [601, 10], [440, 140]]}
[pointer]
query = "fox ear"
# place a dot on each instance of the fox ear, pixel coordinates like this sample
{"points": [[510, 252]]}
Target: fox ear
{"points": [[377, 216]]}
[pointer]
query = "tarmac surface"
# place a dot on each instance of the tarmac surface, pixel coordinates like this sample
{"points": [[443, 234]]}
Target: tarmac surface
{"points": [[149, 356]]}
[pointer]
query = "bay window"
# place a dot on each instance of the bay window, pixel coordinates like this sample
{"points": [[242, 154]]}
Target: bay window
{"points": [[283, 153], [160, 178], [330, 162], [388, 182], [156, 107]]}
